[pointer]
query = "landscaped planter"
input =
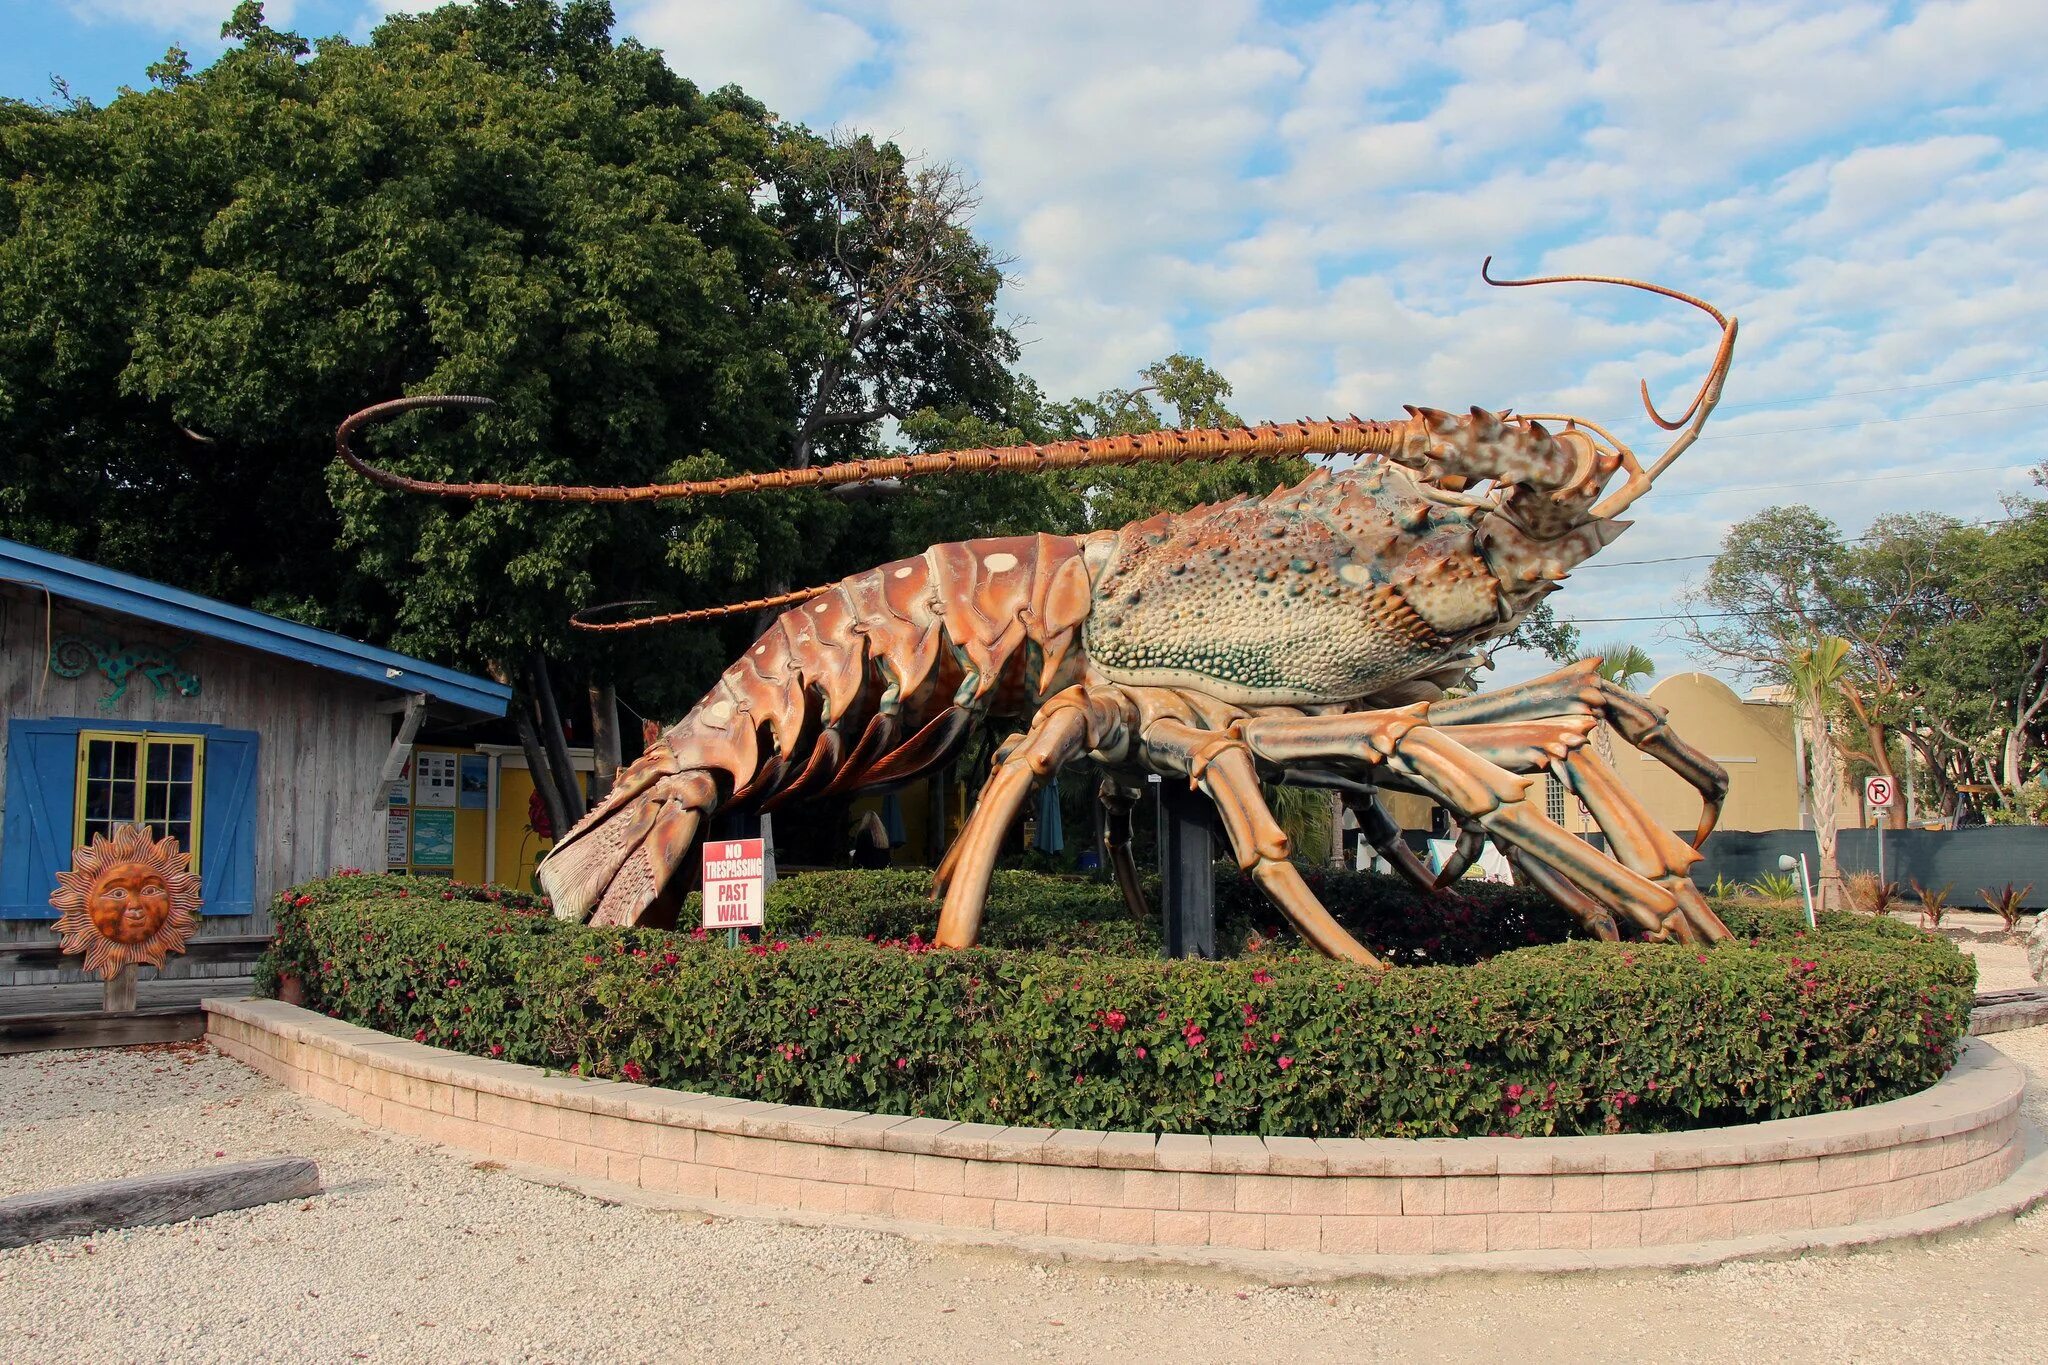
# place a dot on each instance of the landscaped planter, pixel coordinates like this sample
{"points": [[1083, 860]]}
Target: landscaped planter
{"points": [[1561, 1038], [1791, 1181]]}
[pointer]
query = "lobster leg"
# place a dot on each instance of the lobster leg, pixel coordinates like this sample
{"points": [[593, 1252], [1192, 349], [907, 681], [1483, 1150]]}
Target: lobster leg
{"points": [[1471, 843], [1473, 788], [1385, 837], [1637, 841], [1641, 843], [1580, 690], [1074, 722], [1221, 765], [1116, 841]]}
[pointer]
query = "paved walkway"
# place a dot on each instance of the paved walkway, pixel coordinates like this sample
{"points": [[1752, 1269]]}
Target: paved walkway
{"points": [[421, 1253]]}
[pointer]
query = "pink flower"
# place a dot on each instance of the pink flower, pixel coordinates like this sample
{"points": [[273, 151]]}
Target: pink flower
{"points": [[1141, 1054], [497, 1049], [632, 1072], [420, 1037], [1286, 1062], [1116, 1019], [1262, 977]]}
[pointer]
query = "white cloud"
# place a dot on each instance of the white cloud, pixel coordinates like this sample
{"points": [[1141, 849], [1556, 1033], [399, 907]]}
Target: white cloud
{"points": [[196, 21], [1305, 202], [790, 55]]}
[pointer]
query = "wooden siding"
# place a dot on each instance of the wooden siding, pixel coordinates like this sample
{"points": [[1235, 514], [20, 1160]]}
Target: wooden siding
{"points": [[323, 740]]}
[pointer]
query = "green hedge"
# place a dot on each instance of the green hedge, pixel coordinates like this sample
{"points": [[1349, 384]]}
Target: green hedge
{"points": [[1561, 1038], [1063, 914]]}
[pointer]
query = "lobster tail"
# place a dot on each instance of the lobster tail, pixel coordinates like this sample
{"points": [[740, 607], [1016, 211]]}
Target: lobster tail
{"points": [[619, 865]]}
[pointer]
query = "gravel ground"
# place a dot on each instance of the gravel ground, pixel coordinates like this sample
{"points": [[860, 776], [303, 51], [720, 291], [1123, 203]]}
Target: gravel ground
{"points": [[2001, 957], [417, 1253]]}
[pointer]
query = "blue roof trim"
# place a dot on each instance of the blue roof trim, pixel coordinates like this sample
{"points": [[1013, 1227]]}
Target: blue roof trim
{"points": [[79, 581]]}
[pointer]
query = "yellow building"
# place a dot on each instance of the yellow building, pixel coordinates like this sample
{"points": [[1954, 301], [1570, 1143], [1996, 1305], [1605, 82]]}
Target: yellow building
{"points": [[462, 813], [1751, 737]]}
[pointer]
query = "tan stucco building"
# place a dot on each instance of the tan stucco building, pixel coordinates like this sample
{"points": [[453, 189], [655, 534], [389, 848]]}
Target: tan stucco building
{"points": [[1749, 736]]}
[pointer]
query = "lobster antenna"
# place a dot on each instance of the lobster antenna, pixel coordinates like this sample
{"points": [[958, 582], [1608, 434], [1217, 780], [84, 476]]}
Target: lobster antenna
{"points": [[1692, 420], [1335, 436], [581, 620]]}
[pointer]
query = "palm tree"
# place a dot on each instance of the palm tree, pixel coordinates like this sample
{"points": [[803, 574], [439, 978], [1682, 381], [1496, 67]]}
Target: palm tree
{"points": [[1623, 664], [1818, 672]]}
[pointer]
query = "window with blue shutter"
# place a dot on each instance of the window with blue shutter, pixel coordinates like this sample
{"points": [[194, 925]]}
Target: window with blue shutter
{"points": [[49, 770]]}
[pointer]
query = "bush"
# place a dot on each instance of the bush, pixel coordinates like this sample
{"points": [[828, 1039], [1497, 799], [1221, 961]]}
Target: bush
{"points": [[1561, 1038], [1066, 914]]}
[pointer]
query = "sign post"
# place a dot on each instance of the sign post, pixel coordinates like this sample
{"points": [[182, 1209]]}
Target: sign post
{"points": [[734, 886], [1877, 794]]}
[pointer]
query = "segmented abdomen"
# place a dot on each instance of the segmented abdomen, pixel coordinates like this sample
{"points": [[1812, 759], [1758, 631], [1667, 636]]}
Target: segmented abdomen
{"points": [[878, 679]]}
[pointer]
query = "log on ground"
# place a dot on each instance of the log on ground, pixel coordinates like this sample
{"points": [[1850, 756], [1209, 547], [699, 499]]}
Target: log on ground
{"points": [[138, 1201]]}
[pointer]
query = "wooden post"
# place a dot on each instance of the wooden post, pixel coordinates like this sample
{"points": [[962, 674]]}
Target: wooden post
{"points": [[120, 990], [1187, 871]]}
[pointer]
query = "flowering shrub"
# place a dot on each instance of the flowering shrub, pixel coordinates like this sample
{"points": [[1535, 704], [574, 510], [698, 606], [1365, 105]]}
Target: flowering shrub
{"points": [[1055, 914], [1568, 1037]]}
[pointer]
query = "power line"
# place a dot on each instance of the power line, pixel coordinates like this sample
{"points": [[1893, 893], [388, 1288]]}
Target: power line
{"points": [[1716, 554]]}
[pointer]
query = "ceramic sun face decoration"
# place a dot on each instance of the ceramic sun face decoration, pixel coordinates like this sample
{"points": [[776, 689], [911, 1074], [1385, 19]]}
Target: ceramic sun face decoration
{"points": [[126, 899]]}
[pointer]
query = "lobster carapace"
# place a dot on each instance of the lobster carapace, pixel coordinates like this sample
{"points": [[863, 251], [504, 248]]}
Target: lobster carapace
{"points": [[1306, 637]]}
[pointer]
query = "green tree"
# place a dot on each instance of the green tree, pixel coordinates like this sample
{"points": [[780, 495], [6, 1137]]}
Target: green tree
{"points": [[199, 279], [1815, 671], [1622, 664]]}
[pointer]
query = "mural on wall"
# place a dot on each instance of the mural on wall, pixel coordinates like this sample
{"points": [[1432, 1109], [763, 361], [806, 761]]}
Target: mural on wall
{"points": [[126, 900], [73, 656]]}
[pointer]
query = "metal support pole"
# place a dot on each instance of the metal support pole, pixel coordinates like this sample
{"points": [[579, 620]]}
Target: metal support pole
{"points": [[1187, 871], [1881, 823]]}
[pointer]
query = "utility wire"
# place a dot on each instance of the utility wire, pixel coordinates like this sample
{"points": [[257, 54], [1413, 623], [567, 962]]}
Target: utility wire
{"points": [[1716, 554]]}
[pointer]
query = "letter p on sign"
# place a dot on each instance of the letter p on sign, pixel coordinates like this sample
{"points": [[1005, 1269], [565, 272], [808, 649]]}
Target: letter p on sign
{"points": [[1877, 793]]}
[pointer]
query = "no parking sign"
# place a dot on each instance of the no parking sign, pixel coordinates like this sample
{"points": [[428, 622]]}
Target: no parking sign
{"points": [[1877, 793]]}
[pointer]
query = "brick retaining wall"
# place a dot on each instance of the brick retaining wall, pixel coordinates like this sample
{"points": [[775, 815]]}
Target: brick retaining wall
{"points": [[1342, 1196]]}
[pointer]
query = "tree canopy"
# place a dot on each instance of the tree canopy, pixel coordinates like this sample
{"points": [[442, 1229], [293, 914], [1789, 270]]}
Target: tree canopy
{"points": [[199, 278], [1943, 627]]}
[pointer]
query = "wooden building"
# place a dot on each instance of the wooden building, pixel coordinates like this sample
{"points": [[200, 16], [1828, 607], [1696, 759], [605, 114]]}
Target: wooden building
{"points": [[269, 748]]}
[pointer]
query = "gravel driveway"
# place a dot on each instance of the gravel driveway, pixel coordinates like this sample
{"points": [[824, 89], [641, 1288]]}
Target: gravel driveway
{"points": [[416, 1253]]}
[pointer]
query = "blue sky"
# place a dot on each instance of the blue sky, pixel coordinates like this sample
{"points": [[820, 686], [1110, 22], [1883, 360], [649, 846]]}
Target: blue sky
{"points": [[1301, 193]]}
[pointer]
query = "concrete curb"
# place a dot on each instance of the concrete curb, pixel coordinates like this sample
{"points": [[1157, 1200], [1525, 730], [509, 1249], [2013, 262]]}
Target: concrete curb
{"points": [[1186, 1199], [2022, 1192]]}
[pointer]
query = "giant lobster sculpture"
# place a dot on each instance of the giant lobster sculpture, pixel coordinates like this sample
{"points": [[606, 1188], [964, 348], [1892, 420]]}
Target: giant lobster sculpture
{"points": [[1307, 637]]}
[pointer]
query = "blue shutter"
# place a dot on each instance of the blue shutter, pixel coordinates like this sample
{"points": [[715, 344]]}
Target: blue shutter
{"points": [[227, 845], [35, 837]]}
